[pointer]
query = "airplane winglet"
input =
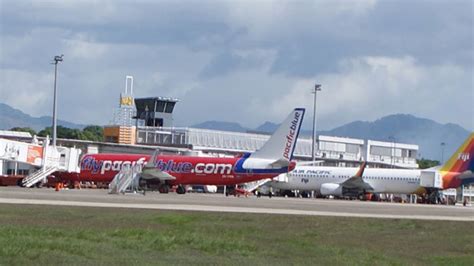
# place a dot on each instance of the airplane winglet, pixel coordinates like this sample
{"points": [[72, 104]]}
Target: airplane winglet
{"points": [[357, 180], [360, 173]]}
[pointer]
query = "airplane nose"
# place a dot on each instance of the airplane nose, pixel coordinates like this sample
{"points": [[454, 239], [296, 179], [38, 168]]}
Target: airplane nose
{"points": [[292, 166]]}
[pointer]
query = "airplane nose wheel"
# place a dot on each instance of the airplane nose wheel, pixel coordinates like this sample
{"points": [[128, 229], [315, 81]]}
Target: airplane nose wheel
{"points": [[180, 189]]}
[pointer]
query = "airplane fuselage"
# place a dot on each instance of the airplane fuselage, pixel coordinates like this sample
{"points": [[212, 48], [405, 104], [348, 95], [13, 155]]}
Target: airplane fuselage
{"points": [[382, 180], [187, 170]]}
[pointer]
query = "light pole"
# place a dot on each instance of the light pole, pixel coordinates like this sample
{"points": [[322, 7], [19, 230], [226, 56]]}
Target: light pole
{"points": [[57, 59], [317, 88], [442, 152]]}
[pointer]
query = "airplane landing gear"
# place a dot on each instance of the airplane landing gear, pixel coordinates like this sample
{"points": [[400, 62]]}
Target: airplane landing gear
{"points": [[181, 189], [164, 189]]}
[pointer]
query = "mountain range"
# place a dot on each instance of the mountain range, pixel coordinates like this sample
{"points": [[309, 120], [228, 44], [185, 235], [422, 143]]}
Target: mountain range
{"points": [[11, 117], [402, 128]]}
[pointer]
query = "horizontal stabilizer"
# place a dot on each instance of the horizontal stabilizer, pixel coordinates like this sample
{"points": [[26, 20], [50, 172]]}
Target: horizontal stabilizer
{"points": [[466, 175], [280, 163]]}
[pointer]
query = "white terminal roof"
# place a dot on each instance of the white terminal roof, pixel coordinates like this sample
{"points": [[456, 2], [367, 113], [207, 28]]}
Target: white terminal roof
{"points": [[15, 134], [392, 144], [341, 139]]}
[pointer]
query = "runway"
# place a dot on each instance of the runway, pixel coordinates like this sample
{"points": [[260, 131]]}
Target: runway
{"points": [[220, 203]]}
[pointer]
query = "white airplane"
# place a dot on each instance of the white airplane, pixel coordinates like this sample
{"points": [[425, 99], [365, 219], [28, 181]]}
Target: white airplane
{"points": [[354, 182]]}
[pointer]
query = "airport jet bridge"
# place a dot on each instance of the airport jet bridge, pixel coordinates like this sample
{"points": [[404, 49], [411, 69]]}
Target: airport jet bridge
{"points": [[47, 158]]}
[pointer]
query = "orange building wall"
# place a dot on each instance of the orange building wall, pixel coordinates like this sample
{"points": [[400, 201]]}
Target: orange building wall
{"points": [[120, 134]]}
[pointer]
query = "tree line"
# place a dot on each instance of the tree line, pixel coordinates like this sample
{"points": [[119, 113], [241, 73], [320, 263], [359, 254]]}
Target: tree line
{"points": [[426, 163], [92, 133]]}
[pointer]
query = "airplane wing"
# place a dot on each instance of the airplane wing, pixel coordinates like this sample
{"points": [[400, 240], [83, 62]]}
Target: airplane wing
{"points": [[149, 171], [154, 173], [357, 182]]}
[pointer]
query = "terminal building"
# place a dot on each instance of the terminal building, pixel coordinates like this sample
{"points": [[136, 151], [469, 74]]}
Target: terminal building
{"points": [[335, 151], [148, 122]]}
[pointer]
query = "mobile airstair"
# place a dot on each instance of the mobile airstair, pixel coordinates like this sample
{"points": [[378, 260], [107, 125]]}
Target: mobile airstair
{"points": [[39, 176], [126, 181], [251, 186]]}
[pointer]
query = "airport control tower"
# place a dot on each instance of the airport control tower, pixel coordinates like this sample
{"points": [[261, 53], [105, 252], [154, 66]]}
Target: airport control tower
{"points": [[151, 112], [155, 111]]}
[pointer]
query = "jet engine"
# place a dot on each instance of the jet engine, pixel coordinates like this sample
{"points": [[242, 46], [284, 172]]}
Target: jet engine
{"points": [[328, 189]]}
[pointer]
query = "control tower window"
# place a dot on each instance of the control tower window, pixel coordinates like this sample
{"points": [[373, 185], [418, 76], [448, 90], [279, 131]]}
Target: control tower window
{"points": [[169, 107], [160, 107]]}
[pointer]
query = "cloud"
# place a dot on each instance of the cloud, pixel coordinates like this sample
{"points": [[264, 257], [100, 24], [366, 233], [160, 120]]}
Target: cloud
{"points": [[312, 37], [367, 88], [242, 61], [84, 49], [234, 60], [17, 89]]}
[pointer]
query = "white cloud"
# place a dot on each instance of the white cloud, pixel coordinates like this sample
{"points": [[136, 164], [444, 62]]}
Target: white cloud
{"points": [[367, 88], [83, 48], [261, 58], [274, 16], [28, 91]]}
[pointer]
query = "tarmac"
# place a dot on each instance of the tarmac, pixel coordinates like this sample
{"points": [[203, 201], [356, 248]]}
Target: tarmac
{"points": [[221, 203]]}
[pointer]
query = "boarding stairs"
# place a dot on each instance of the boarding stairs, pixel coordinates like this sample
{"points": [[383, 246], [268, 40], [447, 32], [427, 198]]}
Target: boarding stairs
{"points": [[251, 186], [39, 175], [125, 181]]}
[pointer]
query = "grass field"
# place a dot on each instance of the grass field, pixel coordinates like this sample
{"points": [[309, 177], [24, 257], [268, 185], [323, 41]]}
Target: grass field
{"points": [[46, 235]]}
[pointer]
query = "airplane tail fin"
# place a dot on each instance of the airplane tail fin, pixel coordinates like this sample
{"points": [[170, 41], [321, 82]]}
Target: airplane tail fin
{"points": [[282, 143], [463, 159]]}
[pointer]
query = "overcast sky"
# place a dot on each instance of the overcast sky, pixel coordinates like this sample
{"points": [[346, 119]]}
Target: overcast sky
{"points": [[242, 61]]}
